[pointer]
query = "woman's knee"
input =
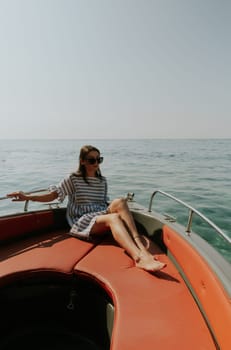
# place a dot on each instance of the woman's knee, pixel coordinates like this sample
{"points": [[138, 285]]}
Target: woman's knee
{"points": [[118, 203], [108, 221], [114, 218]]}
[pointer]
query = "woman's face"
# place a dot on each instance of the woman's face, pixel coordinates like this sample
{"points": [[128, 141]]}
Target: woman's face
{"points": [[92, 161]]}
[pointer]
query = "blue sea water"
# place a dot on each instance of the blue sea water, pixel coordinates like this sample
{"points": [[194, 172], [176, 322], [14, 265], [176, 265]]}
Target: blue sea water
{"points": [[196, 171]]}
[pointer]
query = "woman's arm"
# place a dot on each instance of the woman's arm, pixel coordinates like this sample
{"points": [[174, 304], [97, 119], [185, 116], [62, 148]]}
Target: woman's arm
{"points": [[21, 196]]}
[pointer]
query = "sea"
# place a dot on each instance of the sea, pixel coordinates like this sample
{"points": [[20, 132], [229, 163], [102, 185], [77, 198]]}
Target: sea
{"points": [[197, 171]]}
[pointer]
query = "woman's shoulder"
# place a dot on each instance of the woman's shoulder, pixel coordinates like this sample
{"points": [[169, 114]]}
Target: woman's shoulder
{"points": [[104, 178], [75, 177]]}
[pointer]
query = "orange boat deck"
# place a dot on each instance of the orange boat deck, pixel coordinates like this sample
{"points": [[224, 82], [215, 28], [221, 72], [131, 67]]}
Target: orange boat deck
{"points": [[151, 310]]}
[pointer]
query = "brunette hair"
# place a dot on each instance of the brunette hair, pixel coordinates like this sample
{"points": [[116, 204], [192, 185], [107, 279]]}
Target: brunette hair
{"points": [[84, 151]]}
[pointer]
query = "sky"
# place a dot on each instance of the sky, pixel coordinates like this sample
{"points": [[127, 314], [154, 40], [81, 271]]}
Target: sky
{"points": [[73, 69]]}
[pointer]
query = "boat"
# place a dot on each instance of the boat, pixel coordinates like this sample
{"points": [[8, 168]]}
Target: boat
{"points": [[60, 292]]}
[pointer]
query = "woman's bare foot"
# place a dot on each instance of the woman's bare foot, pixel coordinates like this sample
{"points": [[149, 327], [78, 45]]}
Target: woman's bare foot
{"points": [[148, 263]]}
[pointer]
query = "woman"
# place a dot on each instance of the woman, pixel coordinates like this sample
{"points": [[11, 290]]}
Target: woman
{"points": [[88, 212]]}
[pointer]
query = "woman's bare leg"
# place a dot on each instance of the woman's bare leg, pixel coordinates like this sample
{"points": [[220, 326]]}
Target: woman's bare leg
{"points": [[142, 258], [120, 206]]}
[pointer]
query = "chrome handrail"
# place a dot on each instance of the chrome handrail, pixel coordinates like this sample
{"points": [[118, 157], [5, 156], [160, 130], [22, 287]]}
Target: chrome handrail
{"points": [[27, 202], [190, 216]]}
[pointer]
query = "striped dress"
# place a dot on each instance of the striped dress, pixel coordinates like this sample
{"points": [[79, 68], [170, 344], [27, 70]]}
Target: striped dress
{"points": [[85, 202]]}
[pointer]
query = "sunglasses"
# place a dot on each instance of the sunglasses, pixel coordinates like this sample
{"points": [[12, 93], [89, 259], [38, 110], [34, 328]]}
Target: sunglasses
{"points": [[92, 160]]}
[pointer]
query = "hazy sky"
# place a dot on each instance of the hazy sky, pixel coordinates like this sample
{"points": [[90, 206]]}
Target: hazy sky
{"points": [[115, 68]]}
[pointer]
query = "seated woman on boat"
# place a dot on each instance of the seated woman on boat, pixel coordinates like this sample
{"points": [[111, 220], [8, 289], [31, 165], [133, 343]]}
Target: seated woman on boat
{"points": [[88, 212]]}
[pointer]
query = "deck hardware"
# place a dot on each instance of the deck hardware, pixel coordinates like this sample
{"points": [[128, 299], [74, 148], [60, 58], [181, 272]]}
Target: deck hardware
{"points": [[191, 212], [169, 218], [189, 224], [71, 304], [130, 196], [53, 205], [26, 205]]}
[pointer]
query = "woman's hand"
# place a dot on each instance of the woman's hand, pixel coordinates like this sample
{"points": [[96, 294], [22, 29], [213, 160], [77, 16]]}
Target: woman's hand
{"points": [[18, 196]]}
